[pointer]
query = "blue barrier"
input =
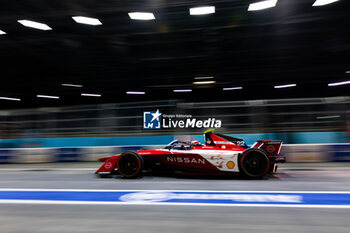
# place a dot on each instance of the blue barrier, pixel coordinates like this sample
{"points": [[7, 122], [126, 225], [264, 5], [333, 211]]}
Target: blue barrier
{"points": [[341, 153], [5, 156], [67, 154]]}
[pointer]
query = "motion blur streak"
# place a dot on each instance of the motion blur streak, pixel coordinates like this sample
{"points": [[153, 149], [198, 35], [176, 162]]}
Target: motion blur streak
{"points": [[48, 96], [339, 83], [91, 95], [183, 90], [8, 98], [204, 82], [286, 86], [71, 85], [283, 119], [232, 88], [135, 92]]}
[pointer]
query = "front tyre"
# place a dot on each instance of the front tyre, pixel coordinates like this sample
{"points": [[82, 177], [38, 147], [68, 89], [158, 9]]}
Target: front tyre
{"points": [[254, 163], [130, 164]]}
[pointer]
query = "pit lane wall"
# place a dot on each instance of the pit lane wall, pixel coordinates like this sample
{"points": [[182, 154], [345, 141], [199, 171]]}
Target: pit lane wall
{"points": [[64, 154], [293, 153]]}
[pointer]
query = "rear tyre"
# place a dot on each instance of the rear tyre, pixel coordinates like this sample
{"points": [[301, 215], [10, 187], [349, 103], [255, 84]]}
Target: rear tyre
{"points": [[254, 163], [130, 164]]}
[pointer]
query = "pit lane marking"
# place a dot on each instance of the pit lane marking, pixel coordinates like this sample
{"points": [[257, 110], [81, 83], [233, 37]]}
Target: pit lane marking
{"points": [[296, 199]]}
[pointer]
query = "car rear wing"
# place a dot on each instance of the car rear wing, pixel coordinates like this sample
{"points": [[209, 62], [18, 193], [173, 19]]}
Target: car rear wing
{"points": [[215, 139], [269, 146]]}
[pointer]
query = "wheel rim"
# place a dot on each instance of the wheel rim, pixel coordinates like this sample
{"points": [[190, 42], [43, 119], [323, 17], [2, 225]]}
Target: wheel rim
{"points": [[255, 163], [129, 164]]}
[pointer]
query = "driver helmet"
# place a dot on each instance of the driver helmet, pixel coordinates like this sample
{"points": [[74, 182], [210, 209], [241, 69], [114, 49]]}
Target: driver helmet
{"points": [[195, 143]]}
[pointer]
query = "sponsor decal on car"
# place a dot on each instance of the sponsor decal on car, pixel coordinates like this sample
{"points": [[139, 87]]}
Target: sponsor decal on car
{"points": [[179, 159], [108, 165], [270, 148], [230, 164], [223, 142]]}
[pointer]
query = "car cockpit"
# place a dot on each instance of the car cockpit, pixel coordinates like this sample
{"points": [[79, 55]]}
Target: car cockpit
{"points": [[182, 145]]}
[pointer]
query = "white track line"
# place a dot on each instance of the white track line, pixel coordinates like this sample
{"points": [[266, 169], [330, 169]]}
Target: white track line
{"points": [[159, 190], [9, 201]]}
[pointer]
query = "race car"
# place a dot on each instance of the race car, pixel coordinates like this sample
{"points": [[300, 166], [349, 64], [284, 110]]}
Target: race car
{"points": [[220, 154]]}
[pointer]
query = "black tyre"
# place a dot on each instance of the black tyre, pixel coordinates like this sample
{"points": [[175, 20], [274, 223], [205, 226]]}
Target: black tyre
{"points": [[254, 163], [130, 164]]}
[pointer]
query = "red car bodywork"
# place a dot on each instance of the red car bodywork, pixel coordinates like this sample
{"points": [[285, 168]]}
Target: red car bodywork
{"points": [[219, 154]]}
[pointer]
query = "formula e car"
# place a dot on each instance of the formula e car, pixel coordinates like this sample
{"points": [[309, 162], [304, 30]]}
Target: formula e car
{"points": [[220, 154]]}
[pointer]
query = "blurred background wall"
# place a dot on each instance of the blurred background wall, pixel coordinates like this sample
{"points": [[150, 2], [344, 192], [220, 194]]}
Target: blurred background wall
{"points": [[321, 124], [308, 120]]}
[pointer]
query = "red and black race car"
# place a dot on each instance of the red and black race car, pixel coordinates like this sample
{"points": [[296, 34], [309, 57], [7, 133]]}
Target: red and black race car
{"points": [[220, 154]]}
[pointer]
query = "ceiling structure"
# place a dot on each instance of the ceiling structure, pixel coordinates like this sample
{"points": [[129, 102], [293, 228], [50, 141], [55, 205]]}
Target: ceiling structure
{"points": [[291, 43]]}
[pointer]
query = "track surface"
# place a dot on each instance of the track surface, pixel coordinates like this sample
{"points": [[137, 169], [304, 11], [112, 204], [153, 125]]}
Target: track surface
{"points": [[92, 218]]}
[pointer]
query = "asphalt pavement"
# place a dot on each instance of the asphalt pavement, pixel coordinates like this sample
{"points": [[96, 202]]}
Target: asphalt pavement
{"points": [[27, 218]]}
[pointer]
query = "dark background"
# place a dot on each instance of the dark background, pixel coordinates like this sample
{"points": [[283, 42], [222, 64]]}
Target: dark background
{"points": [[290, 43]]}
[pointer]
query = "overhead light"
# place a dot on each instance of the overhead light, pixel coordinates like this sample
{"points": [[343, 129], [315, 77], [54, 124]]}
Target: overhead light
{"points": [[71, 85], [204, 82], [86, 20], [323, 2], [2, 32], [328, 117], [347, 72], [262, 5], [286, 86], [207, 77], [135, 92], [92, 95], [204, 10], [183, 90], [48, 96], [338, 83], [33, 24], [231, 88], [141, 15], [8, 98]]}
